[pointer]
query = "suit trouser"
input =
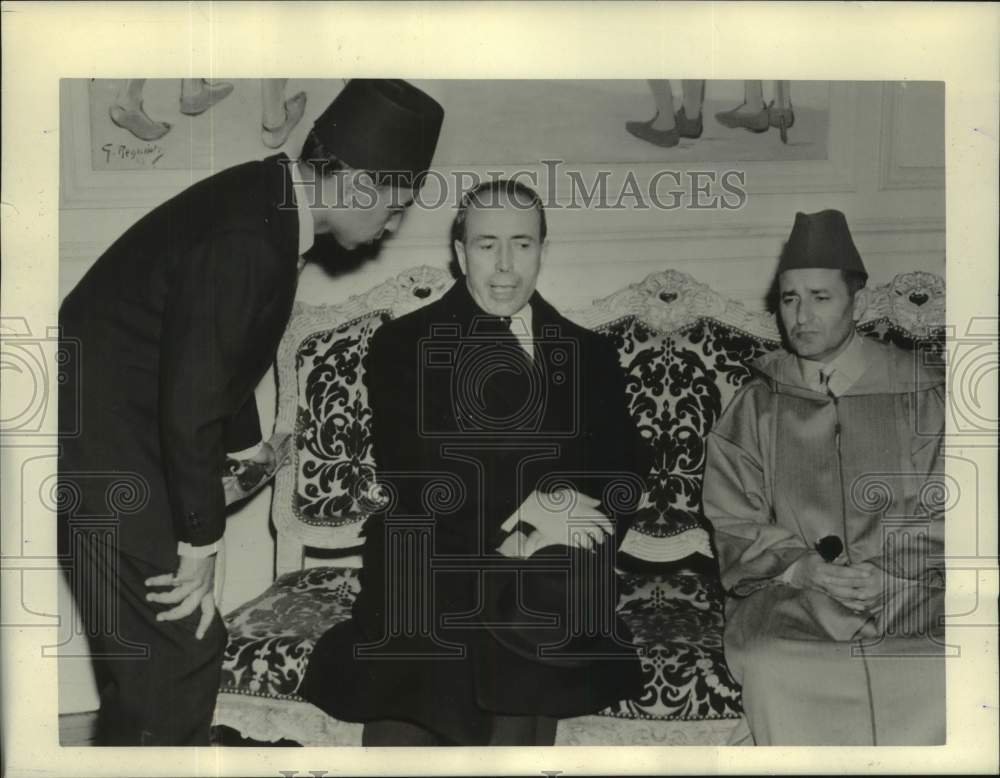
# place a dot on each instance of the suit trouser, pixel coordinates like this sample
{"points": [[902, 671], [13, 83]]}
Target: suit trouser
{"points": [[158, 683]]}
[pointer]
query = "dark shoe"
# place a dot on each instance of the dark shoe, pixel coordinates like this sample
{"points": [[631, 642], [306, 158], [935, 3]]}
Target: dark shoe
{"points": [[782, 118], [738, 117], [662, 138], [688, 128], [648, 122]]}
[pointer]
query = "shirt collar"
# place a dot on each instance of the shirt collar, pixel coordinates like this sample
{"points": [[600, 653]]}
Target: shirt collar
{"points": [[525, 316], [306, 227], [844, 369]]}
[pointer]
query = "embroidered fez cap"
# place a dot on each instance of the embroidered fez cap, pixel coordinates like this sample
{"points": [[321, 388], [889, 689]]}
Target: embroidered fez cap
{"points": [[382, 126], [821, 240]]}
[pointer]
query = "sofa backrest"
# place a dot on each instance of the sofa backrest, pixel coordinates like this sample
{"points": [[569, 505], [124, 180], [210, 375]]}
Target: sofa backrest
{"points": [[685, 348]]}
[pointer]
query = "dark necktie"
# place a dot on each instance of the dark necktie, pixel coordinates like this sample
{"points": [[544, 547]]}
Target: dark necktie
{"points": [[502, 371]]}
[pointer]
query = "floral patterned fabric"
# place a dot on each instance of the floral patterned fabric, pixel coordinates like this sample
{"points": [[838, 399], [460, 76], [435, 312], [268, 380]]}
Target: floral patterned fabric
{"points": [[678, 385], [272, 636], [333, 458], [676, 619]]}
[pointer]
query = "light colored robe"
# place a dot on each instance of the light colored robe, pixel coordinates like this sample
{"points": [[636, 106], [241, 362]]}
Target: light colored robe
{"points": [[813, 671]]}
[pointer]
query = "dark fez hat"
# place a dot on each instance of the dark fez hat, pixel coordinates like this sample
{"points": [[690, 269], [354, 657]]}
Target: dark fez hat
{"points": [[821, 240], [382, 126]]}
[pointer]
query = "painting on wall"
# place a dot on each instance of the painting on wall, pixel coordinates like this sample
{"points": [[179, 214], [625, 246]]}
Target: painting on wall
{"points": [[201, 124]]}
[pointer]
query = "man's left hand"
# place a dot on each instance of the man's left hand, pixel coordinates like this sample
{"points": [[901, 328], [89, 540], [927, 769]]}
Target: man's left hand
{"points": [[193, 586], [868, 592]]}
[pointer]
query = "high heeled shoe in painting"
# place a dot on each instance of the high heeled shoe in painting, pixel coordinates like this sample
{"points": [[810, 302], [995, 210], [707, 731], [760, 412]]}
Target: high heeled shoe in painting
{"points": [[782, 118]]}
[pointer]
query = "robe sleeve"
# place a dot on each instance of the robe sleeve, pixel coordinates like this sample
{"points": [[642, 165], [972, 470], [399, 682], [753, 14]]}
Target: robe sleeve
{"points": [[217, 291], [753, 550], [927, 458], [916, 550]]}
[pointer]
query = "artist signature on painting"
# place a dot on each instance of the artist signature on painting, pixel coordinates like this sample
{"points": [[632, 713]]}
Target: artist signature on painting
{"points": [[147, 154]]}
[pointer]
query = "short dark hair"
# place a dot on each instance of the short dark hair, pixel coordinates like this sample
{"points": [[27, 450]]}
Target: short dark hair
{"points": [[488, 194], [318, 157]]}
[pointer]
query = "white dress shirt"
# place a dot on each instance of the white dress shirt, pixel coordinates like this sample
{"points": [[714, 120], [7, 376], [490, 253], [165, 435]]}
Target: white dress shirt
{"points": [[520, 327]]}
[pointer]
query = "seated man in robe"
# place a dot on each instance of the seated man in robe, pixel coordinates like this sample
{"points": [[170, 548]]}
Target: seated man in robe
{"points": [[502, 434], [834, 599]]}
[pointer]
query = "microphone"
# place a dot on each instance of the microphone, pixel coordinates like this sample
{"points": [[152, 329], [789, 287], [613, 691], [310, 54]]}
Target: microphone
{"points": [[829, 547]]}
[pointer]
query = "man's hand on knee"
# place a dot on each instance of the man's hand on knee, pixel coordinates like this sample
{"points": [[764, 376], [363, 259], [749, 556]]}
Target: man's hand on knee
{"points": [[192, 587]]}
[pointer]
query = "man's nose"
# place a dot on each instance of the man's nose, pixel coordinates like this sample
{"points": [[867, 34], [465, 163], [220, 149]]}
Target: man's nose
{"points": [[504, 258], [393, 224], [803, 312]]}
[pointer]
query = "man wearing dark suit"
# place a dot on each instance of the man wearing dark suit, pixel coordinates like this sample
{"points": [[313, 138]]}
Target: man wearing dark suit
{"points": [[176, 323], [511, 467]]}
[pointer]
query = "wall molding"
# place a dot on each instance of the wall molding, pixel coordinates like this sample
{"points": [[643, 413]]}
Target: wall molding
{"points": [[892, 174]]}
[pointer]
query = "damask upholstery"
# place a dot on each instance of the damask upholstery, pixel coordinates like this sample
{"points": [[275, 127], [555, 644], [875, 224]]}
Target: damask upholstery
{"points": [[678, 384], [676, 621], [334, 461], [686, 351]]}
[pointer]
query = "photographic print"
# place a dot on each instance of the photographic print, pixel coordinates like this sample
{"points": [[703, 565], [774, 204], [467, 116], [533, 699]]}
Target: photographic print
{"points": [[686, 340], [375, 408]]}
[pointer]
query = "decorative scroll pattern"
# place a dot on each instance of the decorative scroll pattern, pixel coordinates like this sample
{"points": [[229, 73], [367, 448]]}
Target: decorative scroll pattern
{"points": [[678, 384], [334, 464], [677, 619], [272, 636]]}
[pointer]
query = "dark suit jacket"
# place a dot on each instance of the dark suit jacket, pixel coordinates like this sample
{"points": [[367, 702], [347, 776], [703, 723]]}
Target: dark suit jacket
{"points": [[459, 446], [176, 323]]}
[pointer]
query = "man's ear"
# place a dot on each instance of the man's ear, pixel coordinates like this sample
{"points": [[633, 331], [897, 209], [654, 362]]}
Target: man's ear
{"points": [[861, 300], [460, 256], [360, 189]]}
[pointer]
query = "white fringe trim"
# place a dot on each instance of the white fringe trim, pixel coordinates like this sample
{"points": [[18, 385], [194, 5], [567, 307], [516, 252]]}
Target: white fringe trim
{"points": [[667, 549]]}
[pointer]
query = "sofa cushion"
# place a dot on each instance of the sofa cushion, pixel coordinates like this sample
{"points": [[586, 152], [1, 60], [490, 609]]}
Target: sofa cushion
{"points": [[272, 636], [676, 619]]}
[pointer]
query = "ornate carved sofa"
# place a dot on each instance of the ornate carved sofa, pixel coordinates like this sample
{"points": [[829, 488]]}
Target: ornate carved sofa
{"points": [[686, 351]]}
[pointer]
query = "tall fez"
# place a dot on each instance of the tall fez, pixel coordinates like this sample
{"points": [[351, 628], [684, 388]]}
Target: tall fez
{"points": [[821, 240], [382, 126]]}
